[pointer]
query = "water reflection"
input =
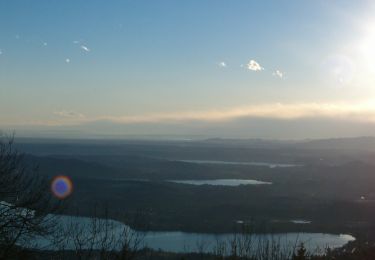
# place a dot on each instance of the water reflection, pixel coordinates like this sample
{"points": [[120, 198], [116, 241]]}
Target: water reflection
{"points": [[264, 164], [221, 182], [181, 241]]}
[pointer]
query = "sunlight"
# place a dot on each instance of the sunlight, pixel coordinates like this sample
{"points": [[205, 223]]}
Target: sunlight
{"points": [[367, 46]]}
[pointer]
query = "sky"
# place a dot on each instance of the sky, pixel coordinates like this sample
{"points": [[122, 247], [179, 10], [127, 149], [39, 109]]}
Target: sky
{"points": [[239, 69]]}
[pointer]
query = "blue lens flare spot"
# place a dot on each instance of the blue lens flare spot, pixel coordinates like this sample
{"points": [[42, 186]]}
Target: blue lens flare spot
{"points": [[61, 186]]}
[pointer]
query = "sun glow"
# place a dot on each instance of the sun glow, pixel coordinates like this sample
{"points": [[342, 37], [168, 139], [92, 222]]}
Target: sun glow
{"points": [[367, 46]]}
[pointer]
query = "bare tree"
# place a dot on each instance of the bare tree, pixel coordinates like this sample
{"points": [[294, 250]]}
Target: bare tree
{"points": [[248, 245], [25, 201]]}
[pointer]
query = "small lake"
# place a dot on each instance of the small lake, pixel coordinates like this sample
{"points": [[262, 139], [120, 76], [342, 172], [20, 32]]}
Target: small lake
{"points": [[188, 242], [263, 164], [221, 182], [300, 221]]}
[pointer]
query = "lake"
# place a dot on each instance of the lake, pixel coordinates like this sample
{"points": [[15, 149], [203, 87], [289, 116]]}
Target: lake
{"points": [[300, 221], [177, 241], [221, 182], [264, 164]]}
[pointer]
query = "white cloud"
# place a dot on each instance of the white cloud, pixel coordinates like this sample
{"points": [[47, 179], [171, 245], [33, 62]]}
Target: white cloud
{"points": [[85, 48], [278, 73], [67, 60], [222, 64], [254, 66], [1, 51], [45, 44]]}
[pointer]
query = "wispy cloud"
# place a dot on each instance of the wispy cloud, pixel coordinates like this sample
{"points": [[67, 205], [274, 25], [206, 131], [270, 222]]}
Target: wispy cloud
{"points": [[69, 114], [222, 64], [85, 48], [278, 73], [254, 66]]}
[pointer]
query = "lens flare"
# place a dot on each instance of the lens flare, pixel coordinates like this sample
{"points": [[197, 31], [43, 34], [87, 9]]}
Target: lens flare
{"points": [[61, 186]]}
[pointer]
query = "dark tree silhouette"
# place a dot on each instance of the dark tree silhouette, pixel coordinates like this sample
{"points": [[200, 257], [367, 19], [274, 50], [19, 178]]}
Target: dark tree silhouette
{"points": [[25, 201], [301, 253]]}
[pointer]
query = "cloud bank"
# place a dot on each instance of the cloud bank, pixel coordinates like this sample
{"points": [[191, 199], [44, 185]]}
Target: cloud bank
{"points": [[361, 112], [355, 112], [273, 120]]}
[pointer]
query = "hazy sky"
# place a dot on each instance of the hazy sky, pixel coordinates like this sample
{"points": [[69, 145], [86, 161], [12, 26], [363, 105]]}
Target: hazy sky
{"points": [[188, 67]]}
